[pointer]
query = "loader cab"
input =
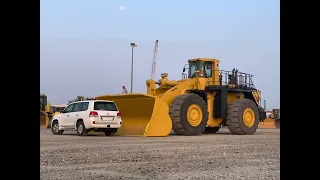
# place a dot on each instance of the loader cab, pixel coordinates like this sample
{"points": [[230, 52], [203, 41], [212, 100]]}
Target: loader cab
{"points": [[43, 102], [203, 68]]}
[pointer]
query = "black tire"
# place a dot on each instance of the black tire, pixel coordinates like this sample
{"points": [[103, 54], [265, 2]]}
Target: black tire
{"points": [[178, 114], [109, 133], [55, 128], [81, 129], [211, 130], [234, 119]]}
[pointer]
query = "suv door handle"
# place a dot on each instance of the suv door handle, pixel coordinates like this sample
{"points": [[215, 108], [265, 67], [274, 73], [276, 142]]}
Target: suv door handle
{"points": [[67, 115], [76, 114]]}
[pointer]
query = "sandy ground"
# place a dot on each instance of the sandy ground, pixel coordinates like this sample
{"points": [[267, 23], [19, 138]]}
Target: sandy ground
{"points": [[209, 156]]}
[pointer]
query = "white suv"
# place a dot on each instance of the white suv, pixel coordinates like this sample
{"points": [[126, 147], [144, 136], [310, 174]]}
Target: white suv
{"points": [[83, 116]]}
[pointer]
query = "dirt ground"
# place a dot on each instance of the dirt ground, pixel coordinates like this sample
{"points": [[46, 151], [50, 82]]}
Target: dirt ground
{"points": [[209, 156]]}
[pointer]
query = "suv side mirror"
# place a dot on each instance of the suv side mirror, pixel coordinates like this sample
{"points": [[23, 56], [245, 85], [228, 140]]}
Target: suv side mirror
{"points": [[184, 69]]}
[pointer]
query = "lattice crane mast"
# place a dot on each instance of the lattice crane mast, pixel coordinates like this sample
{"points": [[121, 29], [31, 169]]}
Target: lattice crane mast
{"points": [[154, 60]]}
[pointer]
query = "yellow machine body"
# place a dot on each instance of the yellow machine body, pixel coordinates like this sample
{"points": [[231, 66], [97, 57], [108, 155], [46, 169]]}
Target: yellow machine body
{"points": [[46, 112], [148, 114]]}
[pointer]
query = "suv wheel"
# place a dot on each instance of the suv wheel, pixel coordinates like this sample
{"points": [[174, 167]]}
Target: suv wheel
{"points": [[81, 129], [55, 128]]}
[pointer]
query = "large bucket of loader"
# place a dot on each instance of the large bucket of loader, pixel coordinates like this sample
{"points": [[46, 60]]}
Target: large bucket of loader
{"points": [[141, 114], [268, 123]]}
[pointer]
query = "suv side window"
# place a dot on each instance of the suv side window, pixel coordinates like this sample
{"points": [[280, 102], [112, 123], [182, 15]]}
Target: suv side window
{"points": [[69, 108], [85, 106], [77, 107]]}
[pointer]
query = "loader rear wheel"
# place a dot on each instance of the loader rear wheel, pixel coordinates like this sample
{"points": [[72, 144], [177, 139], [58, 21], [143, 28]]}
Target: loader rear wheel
{"points": [[189, 115], [243, 117]]}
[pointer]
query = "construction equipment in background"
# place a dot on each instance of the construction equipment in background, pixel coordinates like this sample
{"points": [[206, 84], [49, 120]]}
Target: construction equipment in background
{"points": [[202, 101], [268, 123], [46, 111], [272, 121], [124, 90], [154, 59], [276, 116]]}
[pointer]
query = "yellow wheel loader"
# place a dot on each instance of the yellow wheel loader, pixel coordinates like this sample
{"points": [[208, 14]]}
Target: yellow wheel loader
{"points": [[46, 111], [203, 100]]}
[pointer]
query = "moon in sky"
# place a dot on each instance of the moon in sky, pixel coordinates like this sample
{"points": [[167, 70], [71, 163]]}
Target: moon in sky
{"points": [[121, 8]]}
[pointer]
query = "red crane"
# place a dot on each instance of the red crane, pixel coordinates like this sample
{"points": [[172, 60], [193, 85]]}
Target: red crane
{"points": [[154, 61]]}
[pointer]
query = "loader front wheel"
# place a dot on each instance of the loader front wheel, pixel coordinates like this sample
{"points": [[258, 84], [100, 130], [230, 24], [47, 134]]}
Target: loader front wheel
{"points": [[243, 117], [189, 115]]}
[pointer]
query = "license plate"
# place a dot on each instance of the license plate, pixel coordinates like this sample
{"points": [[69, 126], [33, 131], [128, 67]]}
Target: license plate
{"points": [[107, 118]]}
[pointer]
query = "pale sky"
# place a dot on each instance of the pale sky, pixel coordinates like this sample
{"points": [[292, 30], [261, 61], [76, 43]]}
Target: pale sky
{"points": [[85, 45]]}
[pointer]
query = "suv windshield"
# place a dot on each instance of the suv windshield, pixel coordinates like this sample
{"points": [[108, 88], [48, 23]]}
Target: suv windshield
{"points": [[105, 106]]}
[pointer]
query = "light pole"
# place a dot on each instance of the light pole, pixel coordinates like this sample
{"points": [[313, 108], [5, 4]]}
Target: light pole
{"points": [[133, 45]]}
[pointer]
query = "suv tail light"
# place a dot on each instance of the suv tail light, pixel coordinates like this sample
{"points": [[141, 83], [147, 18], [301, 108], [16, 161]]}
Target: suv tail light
{"points": [[93, 114], [119, 114]]}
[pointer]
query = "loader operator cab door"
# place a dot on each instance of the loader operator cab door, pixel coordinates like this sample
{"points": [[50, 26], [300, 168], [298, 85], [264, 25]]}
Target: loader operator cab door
{"points": [[205, 69], [208, 69]]}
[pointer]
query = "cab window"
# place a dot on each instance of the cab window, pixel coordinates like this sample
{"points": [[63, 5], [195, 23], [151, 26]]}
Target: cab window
{"points": [[193, 66], [207, 70]]}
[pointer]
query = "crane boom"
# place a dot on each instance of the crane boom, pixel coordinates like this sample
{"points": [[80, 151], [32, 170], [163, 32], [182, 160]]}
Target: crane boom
{"points": [[154, 60]]}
